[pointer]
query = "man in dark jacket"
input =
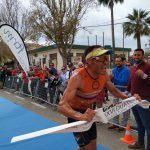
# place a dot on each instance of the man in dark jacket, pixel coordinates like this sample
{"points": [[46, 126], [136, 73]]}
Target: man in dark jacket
{"points": [[140, 83]]}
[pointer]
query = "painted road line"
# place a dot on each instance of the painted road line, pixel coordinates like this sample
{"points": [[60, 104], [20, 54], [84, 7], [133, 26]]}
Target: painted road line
{"points": [[62, 116], [7, 92], [38, 105], [20, 97]]}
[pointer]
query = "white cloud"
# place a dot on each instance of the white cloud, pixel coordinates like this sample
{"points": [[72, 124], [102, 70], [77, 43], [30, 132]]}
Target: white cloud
{"points": [[101, 15], [26, 3]]}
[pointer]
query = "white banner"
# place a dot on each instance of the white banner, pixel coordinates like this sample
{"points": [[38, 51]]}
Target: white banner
{"points": [[12, 38], [102, 115], [118, 108]]}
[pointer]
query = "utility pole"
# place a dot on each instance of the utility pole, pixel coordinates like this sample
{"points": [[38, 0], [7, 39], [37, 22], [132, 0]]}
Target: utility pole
{"points": [[96, 39], [123, 40], [88, 40], [103, 39]]}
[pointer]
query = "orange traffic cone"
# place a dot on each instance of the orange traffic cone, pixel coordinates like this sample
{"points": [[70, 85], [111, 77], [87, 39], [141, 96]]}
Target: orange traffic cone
{"points": [[128, 137]]}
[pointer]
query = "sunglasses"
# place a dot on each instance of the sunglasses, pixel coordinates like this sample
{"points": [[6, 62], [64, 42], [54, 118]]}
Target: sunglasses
{"points": [[128, 65], [102, 58]]}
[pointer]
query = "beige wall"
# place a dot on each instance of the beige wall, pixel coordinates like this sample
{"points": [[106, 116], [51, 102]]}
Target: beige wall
{"points": [[120, 52], [58, 62], [41, 55]]}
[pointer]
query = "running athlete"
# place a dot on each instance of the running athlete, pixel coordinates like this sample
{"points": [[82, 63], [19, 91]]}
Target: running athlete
{"points": [[82, 91]]}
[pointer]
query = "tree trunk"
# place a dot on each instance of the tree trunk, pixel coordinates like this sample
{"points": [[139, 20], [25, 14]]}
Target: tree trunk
{"points": [[64, 60], [112, 31], [63, 53], [138, 42]]}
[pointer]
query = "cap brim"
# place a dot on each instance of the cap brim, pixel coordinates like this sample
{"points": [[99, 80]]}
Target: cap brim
{"points": [[109, 52], [98, 52]]}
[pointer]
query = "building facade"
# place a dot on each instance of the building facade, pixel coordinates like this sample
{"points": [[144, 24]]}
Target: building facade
{"points": [[50, 54]]}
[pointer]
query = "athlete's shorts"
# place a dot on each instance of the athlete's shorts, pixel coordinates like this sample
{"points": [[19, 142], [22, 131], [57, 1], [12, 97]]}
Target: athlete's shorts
{"points": [[84, 138]]}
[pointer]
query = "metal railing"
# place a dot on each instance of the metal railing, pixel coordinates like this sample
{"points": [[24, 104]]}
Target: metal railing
{"points": [[33, 88]]}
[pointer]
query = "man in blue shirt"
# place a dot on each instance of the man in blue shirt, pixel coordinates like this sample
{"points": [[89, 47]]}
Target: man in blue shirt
{"points": [[120, 77]]}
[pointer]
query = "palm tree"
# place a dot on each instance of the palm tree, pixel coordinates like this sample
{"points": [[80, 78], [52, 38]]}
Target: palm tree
{"points": [[110, 4], [138, 25]]}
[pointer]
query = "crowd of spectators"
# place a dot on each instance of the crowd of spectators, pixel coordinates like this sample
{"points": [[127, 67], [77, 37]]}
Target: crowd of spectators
{"points": [[44, 81], [50, 81]]}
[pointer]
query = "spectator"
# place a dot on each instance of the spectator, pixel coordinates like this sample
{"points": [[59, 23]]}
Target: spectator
{"points": [[36, 71], [128, 64], [34, 75], [24, 82], [14, 72], [2, 76], [53, 69], [64, 76], [53, 83], [140, 83], [71, 69], [31, 68], [80, 65], [41, 86], [24, 77], [120, 77], [51, 88], [1, 79]]}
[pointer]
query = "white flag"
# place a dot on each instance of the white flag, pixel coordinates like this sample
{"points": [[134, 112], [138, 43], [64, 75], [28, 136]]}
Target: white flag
{"points": [[13, 39]]}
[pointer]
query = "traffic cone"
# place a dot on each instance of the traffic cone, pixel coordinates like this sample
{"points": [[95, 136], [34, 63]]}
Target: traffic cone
{"points": [[128, 137]]}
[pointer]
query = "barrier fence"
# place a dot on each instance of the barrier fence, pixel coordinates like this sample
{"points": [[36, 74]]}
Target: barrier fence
{"points": [[34, 89], [40, 91]]}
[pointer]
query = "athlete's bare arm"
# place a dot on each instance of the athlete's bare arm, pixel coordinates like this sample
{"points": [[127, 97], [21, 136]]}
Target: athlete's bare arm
{"points": [[113, 90], [64, 106]]}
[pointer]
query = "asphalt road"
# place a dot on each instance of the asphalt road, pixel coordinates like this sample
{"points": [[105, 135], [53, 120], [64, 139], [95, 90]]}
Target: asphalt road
{"points": [[107, 138]]}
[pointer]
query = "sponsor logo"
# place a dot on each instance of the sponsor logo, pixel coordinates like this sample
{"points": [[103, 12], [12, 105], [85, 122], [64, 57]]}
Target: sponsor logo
{"points": [[10, 38]]}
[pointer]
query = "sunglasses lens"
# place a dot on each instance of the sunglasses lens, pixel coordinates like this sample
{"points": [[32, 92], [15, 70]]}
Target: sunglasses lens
{"points": [[102, 58]]}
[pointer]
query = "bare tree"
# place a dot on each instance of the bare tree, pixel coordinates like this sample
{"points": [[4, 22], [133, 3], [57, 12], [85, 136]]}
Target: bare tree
{"points": [[14, 14], [59, 21]]}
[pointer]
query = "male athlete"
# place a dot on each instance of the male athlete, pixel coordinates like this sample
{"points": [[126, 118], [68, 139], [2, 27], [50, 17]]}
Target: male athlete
{"points": [[82, 91]]}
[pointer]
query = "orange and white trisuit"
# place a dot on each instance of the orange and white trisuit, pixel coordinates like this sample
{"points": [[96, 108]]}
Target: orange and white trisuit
{"points": [[89, 91]]}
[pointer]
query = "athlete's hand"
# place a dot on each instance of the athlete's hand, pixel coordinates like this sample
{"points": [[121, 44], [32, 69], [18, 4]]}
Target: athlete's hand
{"points": [[88, 115], [137, 97]]}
